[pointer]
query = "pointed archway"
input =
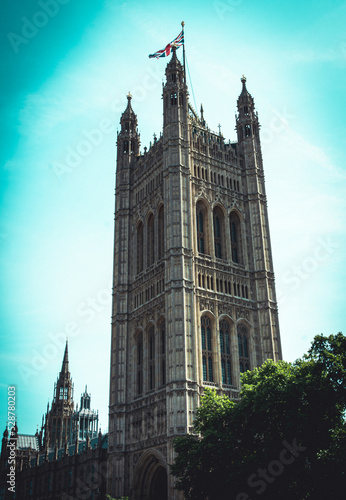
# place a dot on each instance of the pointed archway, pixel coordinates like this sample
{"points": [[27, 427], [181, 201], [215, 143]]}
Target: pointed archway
{"points": [[150, 477], [158, 487]]}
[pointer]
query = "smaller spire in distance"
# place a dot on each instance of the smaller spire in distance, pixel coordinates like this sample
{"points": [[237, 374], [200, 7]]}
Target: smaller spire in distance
{"points": [[64, 366]]}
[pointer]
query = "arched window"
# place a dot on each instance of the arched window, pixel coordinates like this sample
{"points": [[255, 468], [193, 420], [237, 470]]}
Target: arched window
{"points": [[161, 235], [235, 238], [218, 233], [151, 357], [201, 220], [162, 330], [225, 348], [139, 247], [150, 240], [126, 147], [139, 362], [247, 130], [207, 354], [243, 348]]}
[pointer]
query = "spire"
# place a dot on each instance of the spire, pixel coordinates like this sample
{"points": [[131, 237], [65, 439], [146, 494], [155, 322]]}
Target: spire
{"points": [[175, 96], [129, 113], [174, 66], [4, 442], [244, 89], [64, 366], [247, 121], [128, 138], [245, 102], [174, 53]]}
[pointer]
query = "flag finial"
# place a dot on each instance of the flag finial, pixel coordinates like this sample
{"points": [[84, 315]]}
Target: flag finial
{"points": [[183, 24]]}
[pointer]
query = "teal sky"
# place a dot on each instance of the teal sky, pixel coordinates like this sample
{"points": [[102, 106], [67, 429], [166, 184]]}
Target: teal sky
{"points": [[63, 88]]}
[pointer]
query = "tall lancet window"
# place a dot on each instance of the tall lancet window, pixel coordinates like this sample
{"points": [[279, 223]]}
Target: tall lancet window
{"points": [[218, 233], [235, 238], [201, 228], [207, 354], [162, 330], [243, 348], [225, 349], [150, 240], [139, 362], [174, 98], [151, 357], [161, 235], [140, 247]]}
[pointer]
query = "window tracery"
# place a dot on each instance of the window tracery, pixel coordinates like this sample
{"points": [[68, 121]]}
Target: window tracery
{"points": [[243, 348], [207, 354]]}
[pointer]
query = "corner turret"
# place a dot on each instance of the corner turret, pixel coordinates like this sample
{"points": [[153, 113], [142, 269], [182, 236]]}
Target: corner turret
{"points": [[247, 118], [128, 137], [175, 95]]}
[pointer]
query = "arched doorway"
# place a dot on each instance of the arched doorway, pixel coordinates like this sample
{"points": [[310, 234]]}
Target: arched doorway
{"points": [[150, 481], [158, 487]]}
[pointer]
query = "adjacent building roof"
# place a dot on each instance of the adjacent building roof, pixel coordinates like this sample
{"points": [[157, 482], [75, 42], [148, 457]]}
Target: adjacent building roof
{"points": [[25, 441]]}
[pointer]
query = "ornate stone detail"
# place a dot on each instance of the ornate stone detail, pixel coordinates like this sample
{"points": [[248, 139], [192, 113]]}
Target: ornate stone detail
{"points": [[242, 313], [224, 308], [206, 305]]}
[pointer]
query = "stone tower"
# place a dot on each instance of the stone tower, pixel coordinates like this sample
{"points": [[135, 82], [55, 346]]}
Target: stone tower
{"points": [[57, 427], [194, 300], [84, 420]]}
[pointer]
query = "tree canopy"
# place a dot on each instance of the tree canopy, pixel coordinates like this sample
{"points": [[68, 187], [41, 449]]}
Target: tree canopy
{"points": [[284, 439]]}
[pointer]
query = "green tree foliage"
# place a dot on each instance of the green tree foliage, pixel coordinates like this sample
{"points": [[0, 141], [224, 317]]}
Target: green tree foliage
{"points": [[284, 439]]}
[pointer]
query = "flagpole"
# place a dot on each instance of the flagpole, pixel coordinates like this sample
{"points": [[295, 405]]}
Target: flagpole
{"points": [[183, 24]]}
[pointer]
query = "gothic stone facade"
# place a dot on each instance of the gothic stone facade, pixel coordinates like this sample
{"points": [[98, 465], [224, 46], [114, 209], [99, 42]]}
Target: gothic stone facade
{"points": [[194, 297]]}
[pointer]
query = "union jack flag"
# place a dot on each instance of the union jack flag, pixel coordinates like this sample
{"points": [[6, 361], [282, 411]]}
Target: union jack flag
{"points": [[178, 42]]}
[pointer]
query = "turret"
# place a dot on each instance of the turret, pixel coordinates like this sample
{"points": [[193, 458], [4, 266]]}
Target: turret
{"points": [[4, 442], [175, 104], [247, 121], [85, 400], [128, 137]]}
